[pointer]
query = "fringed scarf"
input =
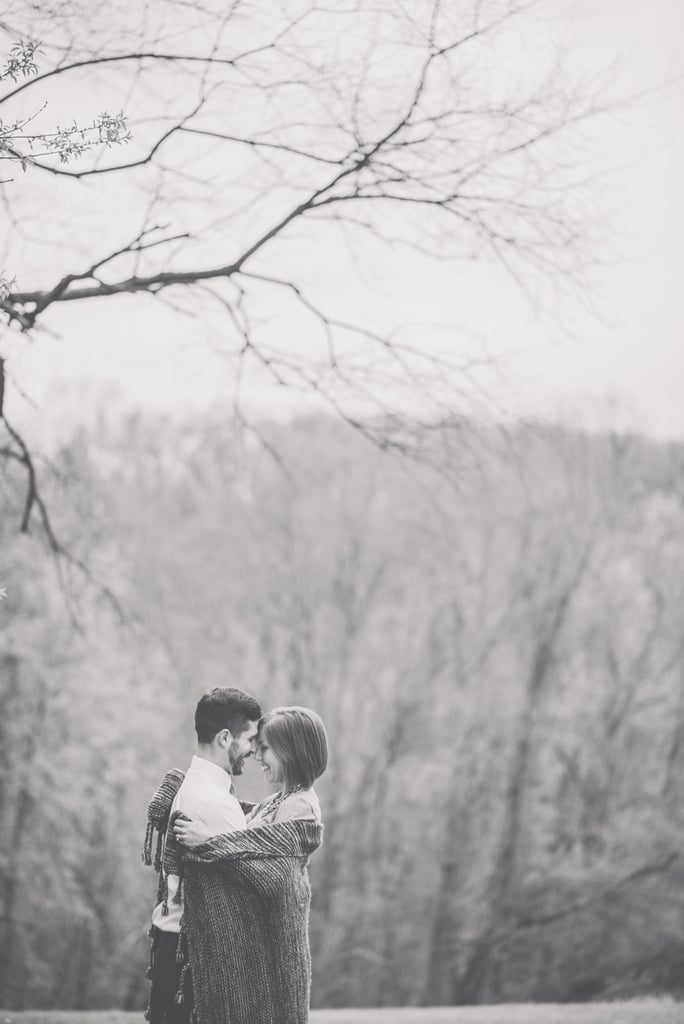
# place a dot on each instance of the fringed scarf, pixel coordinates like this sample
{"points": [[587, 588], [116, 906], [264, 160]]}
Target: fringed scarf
{"points": [[244, 932], [168, 858], [247, 898], [158, 811]]}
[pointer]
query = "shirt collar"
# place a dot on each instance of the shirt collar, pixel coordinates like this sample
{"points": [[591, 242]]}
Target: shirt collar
{"points": [[211, 771]]}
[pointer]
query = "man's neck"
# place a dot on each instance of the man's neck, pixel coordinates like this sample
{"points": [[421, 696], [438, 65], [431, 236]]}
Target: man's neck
{"points": [[208, 755]]}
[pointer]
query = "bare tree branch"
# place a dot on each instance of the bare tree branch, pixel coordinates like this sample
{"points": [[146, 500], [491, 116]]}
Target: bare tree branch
{"points": [[592, 902]]}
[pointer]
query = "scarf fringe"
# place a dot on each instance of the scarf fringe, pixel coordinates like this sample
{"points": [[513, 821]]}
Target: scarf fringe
{"points": [[147, 846], [166, 860], [159, 852], [179, 998], [149, 973]]}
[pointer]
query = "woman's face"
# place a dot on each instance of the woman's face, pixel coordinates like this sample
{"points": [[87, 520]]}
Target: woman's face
{"points": [[271, 765]]}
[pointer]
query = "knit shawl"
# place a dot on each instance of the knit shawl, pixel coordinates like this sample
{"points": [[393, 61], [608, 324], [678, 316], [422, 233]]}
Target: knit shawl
{"points": [[246, 918]]}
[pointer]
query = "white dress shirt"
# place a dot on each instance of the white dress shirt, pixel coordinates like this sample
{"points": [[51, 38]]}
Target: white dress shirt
{"points": [[204, 795]]}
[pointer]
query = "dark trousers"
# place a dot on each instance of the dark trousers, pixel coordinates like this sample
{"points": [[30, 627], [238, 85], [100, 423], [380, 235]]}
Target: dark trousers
{"points": [[166, 979]]}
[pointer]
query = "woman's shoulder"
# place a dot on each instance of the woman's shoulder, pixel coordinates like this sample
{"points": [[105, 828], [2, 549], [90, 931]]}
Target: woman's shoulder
{"points": [[303, 803]]}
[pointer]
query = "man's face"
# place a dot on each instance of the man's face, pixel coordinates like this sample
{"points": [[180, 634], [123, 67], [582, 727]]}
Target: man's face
{"points": [[241, 747]]}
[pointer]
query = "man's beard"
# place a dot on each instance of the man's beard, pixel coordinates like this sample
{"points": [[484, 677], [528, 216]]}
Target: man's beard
{"points": [[236, 760]]}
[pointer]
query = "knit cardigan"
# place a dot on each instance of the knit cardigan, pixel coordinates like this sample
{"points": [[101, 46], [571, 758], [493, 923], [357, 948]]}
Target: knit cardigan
{"points": [[246, 919]]}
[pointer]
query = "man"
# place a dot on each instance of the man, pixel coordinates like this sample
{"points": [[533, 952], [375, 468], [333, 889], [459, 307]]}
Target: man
{"points": [[226, 722]]}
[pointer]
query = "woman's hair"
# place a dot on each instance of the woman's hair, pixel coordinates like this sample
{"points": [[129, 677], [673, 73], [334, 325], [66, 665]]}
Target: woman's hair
{"points": [[298, 739]]}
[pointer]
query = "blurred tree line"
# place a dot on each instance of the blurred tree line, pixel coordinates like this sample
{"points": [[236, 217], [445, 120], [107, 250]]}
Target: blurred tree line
{"points": [[492, 635]]}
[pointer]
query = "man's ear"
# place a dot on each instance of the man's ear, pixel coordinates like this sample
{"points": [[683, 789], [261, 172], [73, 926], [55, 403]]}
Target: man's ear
{"points": [[225, 737]]}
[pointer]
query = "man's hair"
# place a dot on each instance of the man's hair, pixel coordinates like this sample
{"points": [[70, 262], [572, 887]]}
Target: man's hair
{"points": [[298, 739], [224, 708]]}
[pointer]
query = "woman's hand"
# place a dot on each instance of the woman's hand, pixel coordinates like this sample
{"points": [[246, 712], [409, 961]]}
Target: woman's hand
{"points": [[191, 833]]}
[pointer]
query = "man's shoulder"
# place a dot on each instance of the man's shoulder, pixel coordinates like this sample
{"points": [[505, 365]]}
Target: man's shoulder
{"points": [[217, 808], [200, 789]]}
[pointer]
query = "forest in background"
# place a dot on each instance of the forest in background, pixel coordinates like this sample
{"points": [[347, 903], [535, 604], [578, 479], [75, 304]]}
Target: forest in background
{"points": [[492, 633]]}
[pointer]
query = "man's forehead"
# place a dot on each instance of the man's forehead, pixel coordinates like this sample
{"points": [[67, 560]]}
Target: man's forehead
{"points": [[250, 730]]}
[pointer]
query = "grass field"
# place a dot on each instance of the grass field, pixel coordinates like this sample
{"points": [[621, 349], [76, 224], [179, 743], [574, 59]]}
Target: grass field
{"points": [[647, 1011]]}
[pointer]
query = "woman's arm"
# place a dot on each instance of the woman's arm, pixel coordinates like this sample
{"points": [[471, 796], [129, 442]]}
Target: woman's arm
{"points": [[281, 839], [266, 857]]}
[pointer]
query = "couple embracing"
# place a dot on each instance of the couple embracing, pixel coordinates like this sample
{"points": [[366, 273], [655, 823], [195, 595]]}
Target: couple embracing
{"points": [[229, 936]]}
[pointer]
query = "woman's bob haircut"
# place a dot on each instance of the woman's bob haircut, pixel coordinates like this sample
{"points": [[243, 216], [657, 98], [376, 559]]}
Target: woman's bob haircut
{"points": [[298, 739]]}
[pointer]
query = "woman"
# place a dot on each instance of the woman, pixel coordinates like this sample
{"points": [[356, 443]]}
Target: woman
{"points": [[247, 893]]}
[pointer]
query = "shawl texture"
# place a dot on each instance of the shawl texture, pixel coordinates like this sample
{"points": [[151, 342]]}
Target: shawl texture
{"points": [[246, 918]]}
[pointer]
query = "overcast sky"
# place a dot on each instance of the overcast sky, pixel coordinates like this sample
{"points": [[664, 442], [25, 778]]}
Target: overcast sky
{"points": [[625, 361]]}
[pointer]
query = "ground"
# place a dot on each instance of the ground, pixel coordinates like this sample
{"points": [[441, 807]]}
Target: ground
{"points": [[647, 1011]]}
